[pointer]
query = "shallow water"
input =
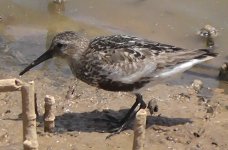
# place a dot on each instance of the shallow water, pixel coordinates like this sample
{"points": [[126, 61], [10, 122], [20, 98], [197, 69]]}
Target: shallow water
{"points": [[27, 28]]}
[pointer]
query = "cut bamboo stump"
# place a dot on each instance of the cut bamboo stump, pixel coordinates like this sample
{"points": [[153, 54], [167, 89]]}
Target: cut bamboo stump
{"points": [[49, 115], [29, 117], [10, 85], [28, 111], [139, 130]]}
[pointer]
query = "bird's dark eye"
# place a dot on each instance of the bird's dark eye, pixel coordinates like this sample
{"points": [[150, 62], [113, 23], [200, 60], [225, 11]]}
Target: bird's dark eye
{"points": [[60, 45]]}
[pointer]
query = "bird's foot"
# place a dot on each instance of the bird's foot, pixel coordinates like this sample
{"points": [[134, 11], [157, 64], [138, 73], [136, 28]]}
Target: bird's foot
{"points": [[121, 126], [117, 129]]}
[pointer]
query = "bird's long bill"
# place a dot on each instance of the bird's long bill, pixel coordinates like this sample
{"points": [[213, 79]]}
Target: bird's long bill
{"points": [[45, 56]]}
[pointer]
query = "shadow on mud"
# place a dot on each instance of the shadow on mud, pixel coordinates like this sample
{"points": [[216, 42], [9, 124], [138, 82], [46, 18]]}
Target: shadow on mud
{"points": [[96, 121]]}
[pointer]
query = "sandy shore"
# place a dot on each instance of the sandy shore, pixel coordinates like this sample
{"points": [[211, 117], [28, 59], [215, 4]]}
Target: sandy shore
{"points": [[185, 120]]}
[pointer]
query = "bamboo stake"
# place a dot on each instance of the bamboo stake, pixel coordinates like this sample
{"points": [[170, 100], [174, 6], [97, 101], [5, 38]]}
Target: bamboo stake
{"points": [[9, 85], [49, 116], [139, 130], [29, 117]]}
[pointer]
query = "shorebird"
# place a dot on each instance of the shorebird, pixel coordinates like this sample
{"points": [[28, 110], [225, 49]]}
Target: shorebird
{"points": [[121, 63]]}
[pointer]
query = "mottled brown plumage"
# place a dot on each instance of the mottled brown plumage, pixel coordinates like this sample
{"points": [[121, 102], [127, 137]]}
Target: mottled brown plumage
{"points": [[121, 62]]}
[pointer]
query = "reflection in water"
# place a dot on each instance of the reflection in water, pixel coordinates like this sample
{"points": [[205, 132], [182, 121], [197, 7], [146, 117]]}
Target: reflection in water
{"points": [[55, 11]]}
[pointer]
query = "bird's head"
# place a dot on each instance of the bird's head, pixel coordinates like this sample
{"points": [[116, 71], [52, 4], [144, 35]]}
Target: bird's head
{"points": [[64, 44]]}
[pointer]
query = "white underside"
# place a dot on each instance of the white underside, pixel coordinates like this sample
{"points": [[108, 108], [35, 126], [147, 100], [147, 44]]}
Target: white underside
{"points": [[179, 68], [169, 73]]}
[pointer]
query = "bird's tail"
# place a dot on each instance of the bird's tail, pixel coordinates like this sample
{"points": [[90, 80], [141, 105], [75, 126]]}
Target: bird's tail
{"points": [[205, 54]]}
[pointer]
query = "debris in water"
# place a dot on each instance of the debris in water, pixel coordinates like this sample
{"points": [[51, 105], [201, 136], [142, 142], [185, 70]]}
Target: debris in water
{"points": [[223, 73], [152, 106], [208, 32], [197, 85]]}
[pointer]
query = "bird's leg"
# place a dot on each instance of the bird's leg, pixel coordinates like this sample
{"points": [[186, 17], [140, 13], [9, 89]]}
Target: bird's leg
{"points": [[125, 121], [138, 100], [119, 122]]}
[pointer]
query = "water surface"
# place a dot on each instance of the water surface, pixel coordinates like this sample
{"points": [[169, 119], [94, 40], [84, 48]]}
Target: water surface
{"points": [[27, 27]]}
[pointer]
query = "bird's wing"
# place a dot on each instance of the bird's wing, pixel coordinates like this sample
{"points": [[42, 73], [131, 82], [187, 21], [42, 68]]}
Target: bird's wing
{"points": [[130, 59]]}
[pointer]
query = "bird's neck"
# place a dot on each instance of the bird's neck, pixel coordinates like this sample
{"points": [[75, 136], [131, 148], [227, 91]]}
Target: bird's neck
{"points": [[75, 61], [75, 53]]}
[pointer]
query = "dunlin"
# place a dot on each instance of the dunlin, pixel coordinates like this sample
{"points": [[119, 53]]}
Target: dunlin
{"points": [[121, 63]]}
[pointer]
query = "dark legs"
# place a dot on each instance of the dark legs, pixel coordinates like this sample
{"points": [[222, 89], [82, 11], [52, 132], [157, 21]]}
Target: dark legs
{"points": [[138, 100], [130, 114]]}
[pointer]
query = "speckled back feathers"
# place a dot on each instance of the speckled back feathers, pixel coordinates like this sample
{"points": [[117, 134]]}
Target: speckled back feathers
{"points": [[124, 63]]}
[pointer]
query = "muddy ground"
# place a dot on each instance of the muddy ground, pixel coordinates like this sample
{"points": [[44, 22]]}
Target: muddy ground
{"points": [[185, 120]]}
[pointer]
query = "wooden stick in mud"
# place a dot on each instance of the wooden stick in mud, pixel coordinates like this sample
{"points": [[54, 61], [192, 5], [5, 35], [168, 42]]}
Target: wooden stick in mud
{"points": [[36, 106], [139, 130], [29, 117], [49, 116], [9, 85]]}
